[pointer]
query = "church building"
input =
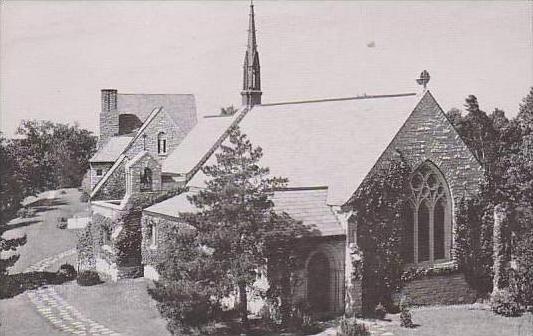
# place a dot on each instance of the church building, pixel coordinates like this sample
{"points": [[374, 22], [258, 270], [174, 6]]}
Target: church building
{"points": [[153, 145]]}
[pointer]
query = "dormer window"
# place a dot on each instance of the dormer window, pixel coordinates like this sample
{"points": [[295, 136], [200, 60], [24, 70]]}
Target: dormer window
{"points": [[162, 143], [146, 179]]}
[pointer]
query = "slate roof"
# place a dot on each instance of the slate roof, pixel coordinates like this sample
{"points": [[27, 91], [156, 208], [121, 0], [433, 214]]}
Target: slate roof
{"points": [[196, 144], [112, 149], [308, 206], [180, 107], [330, 143]]}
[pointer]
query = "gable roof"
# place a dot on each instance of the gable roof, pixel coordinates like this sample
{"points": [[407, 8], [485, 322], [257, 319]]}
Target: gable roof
{"points": [[308, 206], [330, 143], [112, 149], [180, 107], [197, 144], [122, 155]]}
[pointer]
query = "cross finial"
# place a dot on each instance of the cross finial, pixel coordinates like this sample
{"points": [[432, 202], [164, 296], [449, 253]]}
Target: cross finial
{"points": [[423, 79]]}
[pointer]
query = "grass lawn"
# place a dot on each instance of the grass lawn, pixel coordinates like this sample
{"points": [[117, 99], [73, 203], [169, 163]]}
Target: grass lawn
{"points": [[17, 314], [44, 239], [464, 320], [123, 306]]}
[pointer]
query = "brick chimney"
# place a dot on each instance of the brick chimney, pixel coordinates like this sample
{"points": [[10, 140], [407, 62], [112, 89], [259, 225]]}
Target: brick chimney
{"points": [[108, 115]]}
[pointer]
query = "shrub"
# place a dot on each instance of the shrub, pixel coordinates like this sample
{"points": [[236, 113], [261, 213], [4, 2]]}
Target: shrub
{"points": [[67, 271], [61, 223], [63, 192], [406, 320], [350, 327], [380, 312], [84, 197], [88, 278], [302, 321], [26, 212], [270, 315], [504, 302]]}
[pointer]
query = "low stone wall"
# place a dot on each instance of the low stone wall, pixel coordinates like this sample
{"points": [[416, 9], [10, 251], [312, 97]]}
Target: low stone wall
{"points": [[439, 289]]}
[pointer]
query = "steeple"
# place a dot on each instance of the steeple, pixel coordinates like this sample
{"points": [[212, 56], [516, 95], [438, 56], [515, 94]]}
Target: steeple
{"points": [[251, 84]]}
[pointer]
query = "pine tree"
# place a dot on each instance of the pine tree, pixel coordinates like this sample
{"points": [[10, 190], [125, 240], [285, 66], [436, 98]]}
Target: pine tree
{"points": [[237, 219]]}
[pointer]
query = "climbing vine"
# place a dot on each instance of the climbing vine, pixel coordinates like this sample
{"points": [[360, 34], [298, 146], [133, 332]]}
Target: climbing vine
{"points": [[378, 207]]}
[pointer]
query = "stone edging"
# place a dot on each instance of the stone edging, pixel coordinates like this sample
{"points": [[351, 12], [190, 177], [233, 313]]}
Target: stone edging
{"points": [[57, 311]]}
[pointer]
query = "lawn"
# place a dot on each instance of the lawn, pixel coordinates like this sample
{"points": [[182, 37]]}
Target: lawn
{"points": [[124, 306], [461, 320], [17, 315]]}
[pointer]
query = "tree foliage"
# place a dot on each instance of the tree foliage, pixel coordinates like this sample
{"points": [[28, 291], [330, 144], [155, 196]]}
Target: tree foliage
{"points": [[237, 224], [43, 156], [505, 148]]}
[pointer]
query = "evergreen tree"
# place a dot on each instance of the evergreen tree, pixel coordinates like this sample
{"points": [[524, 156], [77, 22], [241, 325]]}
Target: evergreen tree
{"points": [[236, 219]]}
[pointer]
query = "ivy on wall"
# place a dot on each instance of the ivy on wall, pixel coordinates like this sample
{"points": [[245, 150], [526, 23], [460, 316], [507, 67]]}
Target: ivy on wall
{"points": [[378, 206]]}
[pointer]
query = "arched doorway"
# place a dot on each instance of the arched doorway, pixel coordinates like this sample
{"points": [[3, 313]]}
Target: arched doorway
{"points": [[318, 283]]}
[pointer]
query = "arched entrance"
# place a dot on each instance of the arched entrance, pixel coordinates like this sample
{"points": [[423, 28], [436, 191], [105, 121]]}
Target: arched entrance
{"points": [[318, 283]]}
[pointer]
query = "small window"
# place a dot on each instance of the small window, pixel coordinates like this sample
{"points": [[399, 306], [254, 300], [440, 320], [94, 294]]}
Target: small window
{"points": [[154, 235], [146, 179], [162, 143], [99, 172]]}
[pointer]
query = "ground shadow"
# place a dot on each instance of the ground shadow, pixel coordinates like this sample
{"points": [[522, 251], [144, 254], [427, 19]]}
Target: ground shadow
{"points": [[22, 224], [48, 203], [15, 284]]}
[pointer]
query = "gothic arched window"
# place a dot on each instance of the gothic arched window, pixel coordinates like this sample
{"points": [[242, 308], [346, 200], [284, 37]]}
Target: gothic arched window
{"points": [[146, 179], [162, 143], [429, 224]]}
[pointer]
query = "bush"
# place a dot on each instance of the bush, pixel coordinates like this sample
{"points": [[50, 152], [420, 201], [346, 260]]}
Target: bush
{"points": [[61, 223], [63, 192], [380, 312], [84, 197], [67, 271], [270, 315], [26, 212], [302, 321], [504, 302], [88, 278], [406, 320], [350, 327]]}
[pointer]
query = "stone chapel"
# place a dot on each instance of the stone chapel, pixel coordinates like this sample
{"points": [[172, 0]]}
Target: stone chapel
{"points": [[151, 145]]}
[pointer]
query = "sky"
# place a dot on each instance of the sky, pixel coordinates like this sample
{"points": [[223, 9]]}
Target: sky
{"points": [[55, 56]]}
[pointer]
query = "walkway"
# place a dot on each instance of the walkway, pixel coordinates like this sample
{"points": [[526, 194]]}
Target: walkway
{"points": [[57, 311]]}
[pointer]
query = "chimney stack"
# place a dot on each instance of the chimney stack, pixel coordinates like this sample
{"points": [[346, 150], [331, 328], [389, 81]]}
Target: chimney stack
{"points": [[108, 115]]}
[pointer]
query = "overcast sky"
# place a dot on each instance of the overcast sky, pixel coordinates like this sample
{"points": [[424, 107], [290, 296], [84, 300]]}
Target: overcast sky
{"points": [[56, 56]]}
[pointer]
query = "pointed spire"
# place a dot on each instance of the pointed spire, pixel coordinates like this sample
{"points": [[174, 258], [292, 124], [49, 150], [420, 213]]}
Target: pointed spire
{"points": [[252, 42], [251, 88]]}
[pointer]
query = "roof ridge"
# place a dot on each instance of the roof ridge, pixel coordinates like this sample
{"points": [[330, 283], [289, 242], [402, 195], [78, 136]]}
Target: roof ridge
{"points": [[156, 94], [341, 99]]}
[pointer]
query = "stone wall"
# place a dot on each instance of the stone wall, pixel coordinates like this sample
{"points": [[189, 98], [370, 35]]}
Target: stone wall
{"points": [[161, 123], [115, 186], [427, 135], [439, 289], [93, 172], [134, 171]]}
